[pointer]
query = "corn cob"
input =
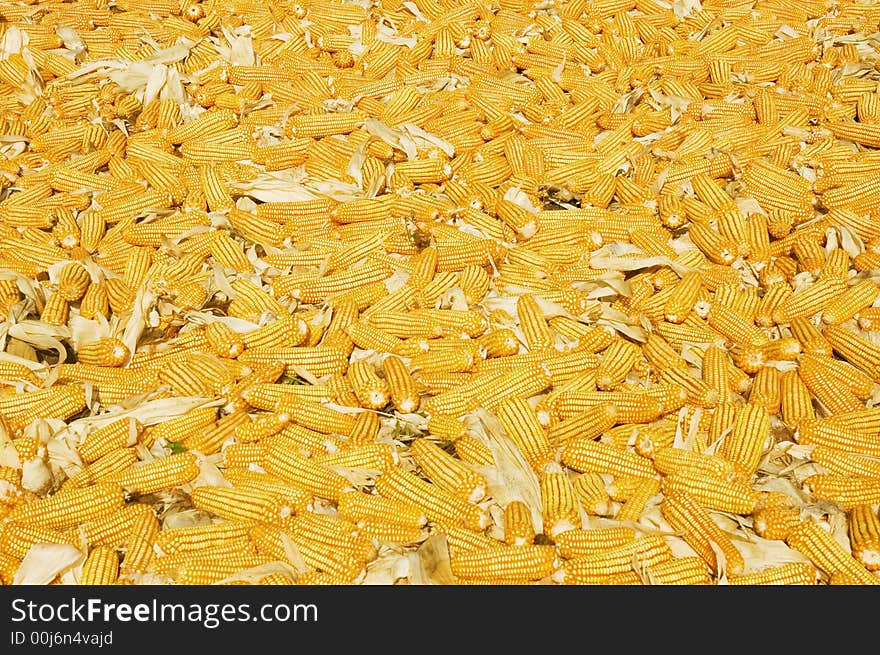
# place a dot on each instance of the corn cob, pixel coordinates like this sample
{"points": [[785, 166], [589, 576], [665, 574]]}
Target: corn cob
{"points": [[436, 503], [101, 567], [864, 536], [792, 573], [519, 563], [826, 554], [701, 532], [643, 551], [164, 473]]}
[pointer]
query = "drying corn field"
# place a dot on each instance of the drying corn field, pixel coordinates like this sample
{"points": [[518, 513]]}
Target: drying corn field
{"points": [[440, 292]]}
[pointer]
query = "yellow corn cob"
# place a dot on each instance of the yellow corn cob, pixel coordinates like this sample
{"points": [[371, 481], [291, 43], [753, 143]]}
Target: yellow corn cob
{"points": [[443, 360], [581, 543], [459, 539], [244, 478], [857, 297], [698, 392], [623, 487], [101, 567], [585, 425], [617, 361], [242, 454], [402, 387], [358, 507], [775, 522], [17, 538], [371, 391], [318, 361], [209, 440], [262, 427], [70, 507], [73, 280], [163, 473], [518, 527], [644, 551], [269, 396], [195, 375], [735, 327], [364, 431], [55, 311], [775, 294], [102, 468], [864, 536], [208, 569], [668, 459], [286, 463], [115, 528], [844, 463], [446, 427], [795, 400], [436, 503], [8, 567], [593, 339], [660, 354], [715, 246], [331, 531], [679, 571], [367, 337], [865, 420], [716, 372], [835, 397], [625, 406], [819, 546], [634, 506], [648, 441], [571, 366], [447, 472], [500, 342], [846, 491], [559, 505], [731, 495], [809, 301], [340, 565], [139, 545], [533, 324], [304, 439], [700, 531], [766, 389], [517, 563], [315, 416], [286, 331], [376, 456], [391, 533], [682, 301], [521, 425], [847, 376], [745, 445], [59, 401], [584, 454], [809, 336], [320, 125], [238, 504], [115, 435], [200, 537], [825, 432], [224, 342], [791, 573], [473, 451], [103, 352]]}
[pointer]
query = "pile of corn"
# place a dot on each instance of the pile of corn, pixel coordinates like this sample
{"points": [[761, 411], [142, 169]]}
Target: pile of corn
{"points": [[440, 292]]}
